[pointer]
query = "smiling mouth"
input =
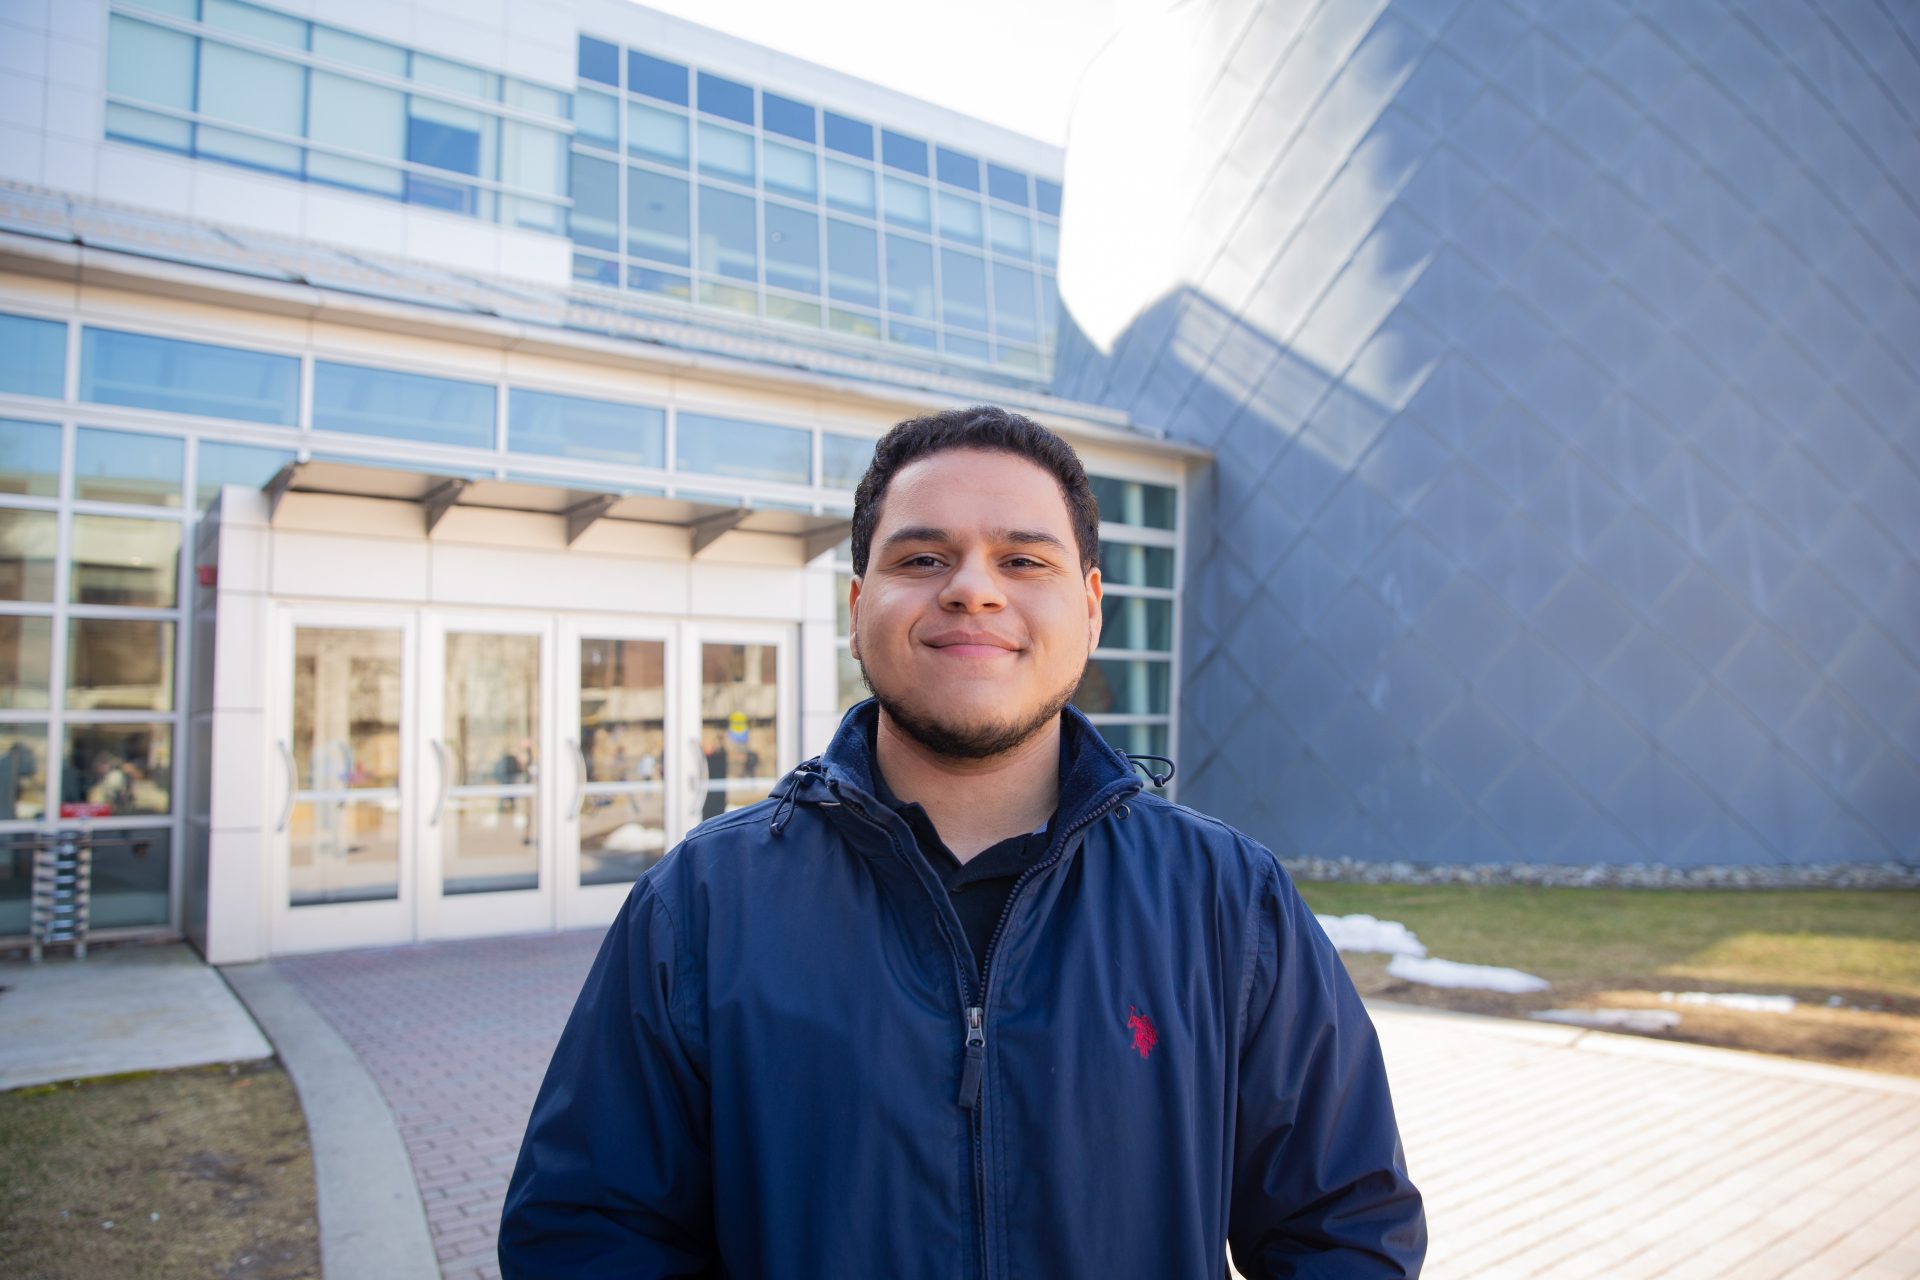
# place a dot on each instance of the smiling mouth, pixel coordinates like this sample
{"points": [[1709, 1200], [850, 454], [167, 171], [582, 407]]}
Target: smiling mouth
{"points": [[965, 644]]}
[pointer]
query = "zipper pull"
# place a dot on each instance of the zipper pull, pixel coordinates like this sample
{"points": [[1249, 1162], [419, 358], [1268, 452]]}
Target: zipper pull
{"points": [[976, 1059]]}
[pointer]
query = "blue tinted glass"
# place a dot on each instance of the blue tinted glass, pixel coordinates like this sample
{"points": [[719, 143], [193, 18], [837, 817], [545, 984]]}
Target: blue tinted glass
{"points": [[599, 61], [656, 77], [971, 348], [1013, 306], [188, 377], [667, 284], [793, 249], [786, 117], [746, 450], [574, 427], [911, 335], [445, 138], [33, 356], [727, 98], [30, 459], [843, 459], [1047, 196], [657, 221], [959, 169], [901, 152], [963, 289], [219, 464], [727, 234], [588, 269], [596, 203], [849, 136], [128, 466], [1006, 184], [402, 406], [909, 277], [852, 271]]}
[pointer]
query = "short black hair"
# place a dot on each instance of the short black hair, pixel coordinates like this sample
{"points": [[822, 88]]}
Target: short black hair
{"points": [[981, 426]]}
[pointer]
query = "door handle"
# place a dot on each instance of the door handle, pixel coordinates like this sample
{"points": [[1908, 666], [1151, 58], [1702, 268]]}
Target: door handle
{"points": [[446, 781], [579, 779], [286, 805]]}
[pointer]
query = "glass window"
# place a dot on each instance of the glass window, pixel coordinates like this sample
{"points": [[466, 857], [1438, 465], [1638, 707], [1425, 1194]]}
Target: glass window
{"points": [[26, 661], [958, 169], [444, 136], [793, 249], [1124, 686], [912, 335], [599, 60], [1046, 237], [33, 356], [657, 220], [128, 124], [745, 450], [849, 187], [1136, 739], [532, 158], [149, 63], [123, 560], [29, 458], [274, 28], [657, 134], [458, 77], [537, 98], [131, 874], [727, 234], [960, 345], [730, 297], [898, 151], [908, 204], [843, 460], [374, 55], [596, 118], [728, 99], [790, 171], [656, 77], [402, 406], [726, 152], [963, 289], [1128, 565], [596, 203], [792, 310], [28, 540], [853, 272], [1149, 506], [23, 790], [119, 664], [188, 377], [786, 117], [1013, 356], [960, 218], [357, 116], [128, 768], [1007, 184], [218, 463], [1131, 622], [1047, 196], [1011, 232], [909, 277], [252, 89], [561, 426], [1013, 307], [128, 466], [849, 136], [857, 323], [667, 284], [1049, 309], [591, 269]]}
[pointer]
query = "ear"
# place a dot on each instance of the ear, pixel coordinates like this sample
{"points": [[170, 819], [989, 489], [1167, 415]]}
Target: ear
{"points": [[1094, 615], [853, 617]]}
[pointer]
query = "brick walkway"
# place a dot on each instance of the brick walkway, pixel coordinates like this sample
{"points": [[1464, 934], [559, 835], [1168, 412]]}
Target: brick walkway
{"points": [[1542, 1152], [457, 1036]]}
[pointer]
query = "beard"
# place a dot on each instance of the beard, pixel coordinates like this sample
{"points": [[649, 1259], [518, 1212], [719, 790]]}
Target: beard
{"points": [[982, 740]]}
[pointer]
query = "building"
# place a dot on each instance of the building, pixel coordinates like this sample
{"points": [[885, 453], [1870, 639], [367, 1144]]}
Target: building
{"points": [[429, 438], [1561, 366]]}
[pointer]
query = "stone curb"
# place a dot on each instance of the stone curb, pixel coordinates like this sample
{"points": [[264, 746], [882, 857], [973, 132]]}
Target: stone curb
{"points": [[372, 1223], [1636, 875]]}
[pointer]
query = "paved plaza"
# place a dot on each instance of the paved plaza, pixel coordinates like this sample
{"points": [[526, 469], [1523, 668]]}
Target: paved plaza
{"points": [[1543, 1151]]}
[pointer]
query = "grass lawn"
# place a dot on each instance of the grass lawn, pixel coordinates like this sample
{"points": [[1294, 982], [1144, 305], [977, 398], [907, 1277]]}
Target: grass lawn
{"points": [[1852, 959], [204, 1172]]}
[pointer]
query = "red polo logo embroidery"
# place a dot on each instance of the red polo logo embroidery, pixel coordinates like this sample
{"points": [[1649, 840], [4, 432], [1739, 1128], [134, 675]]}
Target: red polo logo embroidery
{"points": [[1145, 1035]]}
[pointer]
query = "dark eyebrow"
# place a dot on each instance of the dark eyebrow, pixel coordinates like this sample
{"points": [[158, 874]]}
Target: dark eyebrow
{"points": [[1020, 537]]}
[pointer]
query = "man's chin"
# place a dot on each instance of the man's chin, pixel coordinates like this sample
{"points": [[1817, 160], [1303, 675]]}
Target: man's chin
{"points": [[959, 735]]}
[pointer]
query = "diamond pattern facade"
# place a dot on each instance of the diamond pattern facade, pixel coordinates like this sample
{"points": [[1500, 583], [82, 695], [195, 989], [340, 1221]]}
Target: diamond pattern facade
{"points": [[1562, 366]]}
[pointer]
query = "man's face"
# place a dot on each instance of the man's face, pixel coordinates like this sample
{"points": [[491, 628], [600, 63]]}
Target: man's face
{"points": [[973, 621]]}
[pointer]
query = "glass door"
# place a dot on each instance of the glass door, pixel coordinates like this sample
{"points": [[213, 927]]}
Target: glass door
{"points": [[741, 741], [341, 728], [486, 853]]}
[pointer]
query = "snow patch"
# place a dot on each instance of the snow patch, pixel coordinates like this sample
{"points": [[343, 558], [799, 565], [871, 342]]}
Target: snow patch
{"points": [[1613, 1019], [1475, 977], [1364, 933], [1731, 1000]]}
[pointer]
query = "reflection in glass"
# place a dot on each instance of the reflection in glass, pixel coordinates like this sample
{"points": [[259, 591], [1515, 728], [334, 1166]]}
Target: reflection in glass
{"points": [[793, 249], [131, 874], [853, 272], [26, 646], [657, 219], [727, 234], [149, 64], [120, 664], [657, 135], [595, 221], [122, 560], [1136, 739], [29, 454], [341, 850], [908, 203], [622, 833], [623, 755], [346, 709], [1124, 686], [488, 844], [790, 171], [1135, 566], [959, 218], [23, 772], [750, 450], [909, 277], [33, 357], [963, 289], [128, 466], [739, 740], [849, 186], [188, 377], [575, 427], [1129, 622], [402, 406], [118, 768], [221, 464], [491, 733], [726, 153], [1149, 506], [28, 541], [844, 459]]}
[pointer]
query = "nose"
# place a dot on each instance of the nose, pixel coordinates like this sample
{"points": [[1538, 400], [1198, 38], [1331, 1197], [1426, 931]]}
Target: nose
{"points": [[972, 587]]}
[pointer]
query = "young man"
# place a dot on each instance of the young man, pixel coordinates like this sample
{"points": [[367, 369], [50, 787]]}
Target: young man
{"points": [[960, 999]]}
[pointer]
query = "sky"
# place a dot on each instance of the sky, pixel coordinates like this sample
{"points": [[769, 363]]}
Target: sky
{"points": [[1014, 63]]}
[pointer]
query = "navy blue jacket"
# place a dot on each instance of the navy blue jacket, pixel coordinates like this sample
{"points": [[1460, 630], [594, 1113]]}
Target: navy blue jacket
{"points": [[781, 1066]]}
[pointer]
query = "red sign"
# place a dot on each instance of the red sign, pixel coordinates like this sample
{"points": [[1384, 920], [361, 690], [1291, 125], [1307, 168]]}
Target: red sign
{"points": [[209, 575], [86, 809]]}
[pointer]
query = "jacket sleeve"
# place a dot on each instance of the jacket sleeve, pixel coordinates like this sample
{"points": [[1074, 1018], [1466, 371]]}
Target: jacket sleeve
{"points": [[613, 1176], [1320, 1186]]}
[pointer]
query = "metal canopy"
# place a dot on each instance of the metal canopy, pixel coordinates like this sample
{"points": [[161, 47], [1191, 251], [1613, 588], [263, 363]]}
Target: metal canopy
{"points": [[437, 493]]}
